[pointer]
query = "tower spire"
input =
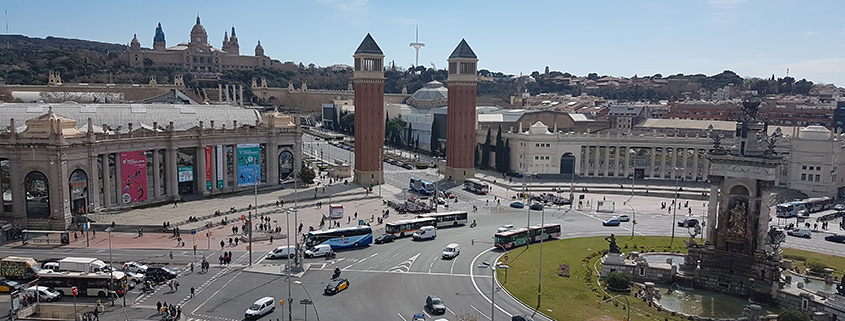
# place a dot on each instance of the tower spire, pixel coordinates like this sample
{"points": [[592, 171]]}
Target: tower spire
{"points": [[417, 45]]}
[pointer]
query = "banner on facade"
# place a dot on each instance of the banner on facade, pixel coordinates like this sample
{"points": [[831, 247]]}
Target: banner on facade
{"points": [[133, 169], [248, 164], [208, 168], [186, 174], [220, 164]]}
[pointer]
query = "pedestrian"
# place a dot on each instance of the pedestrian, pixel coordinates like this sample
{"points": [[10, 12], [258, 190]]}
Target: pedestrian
{"points": [[236, 241], [175, 204], [356, 215], [222, 244], [176, 285], [171, 255], [271, 239], [170, 284], [300, 227], [96, 315], [158, 306], [179, 308]]}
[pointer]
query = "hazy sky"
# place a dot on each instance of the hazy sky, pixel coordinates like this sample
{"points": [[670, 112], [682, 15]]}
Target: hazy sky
{"points": [[619, 38]]}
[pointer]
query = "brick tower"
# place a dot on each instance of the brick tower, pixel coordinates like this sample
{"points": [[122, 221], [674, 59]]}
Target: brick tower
{"points": [[369, 112], [460, 113]]}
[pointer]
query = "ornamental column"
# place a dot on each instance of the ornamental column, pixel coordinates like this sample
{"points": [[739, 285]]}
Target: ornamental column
{"points": [[460, 113], [368, 80]]}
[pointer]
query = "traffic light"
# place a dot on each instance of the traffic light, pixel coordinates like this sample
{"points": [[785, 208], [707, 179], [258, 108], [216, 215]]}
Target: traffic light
{"points": [[282, 302]]}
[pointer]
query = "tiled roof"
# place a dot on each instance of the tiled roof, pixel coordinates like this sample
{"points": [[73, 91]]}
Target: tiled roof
{"points": [[463, 51], [368, 46]]}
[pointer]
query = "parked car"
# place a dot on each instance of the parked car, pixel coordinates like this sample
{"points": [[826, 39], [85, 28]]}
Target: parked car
{"points": [[134, 267], [839, 207], [261, 307], [43, 293], [385, 238], [802, 232], [537, 207], [517, 204], [690, 222], [318, 250], [418, 317], [505, 228], [610, 222], [435, 305], [336, 286], [623, 218], [838, 238]]}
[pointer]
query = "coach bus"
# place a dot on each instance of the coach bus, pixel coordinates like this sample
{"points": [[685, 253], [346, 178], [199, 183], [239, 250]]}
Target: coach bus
{"points": [[810, 205], [408, 226], [341, 238], [99, 284], [421, 186], [447, 218], [476, 186], [522, 236]]}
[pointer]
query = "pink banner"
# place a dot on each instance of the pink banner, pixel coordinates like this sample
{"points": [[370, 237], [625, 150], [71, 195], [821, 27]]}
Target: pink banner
{"points": [[208, 179], [133, 170]]}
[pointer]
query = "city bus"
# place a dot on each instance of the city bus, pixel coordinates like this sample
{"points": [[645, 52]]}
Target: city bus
{"points": [[421, 186], [519, 237], [789, 209], [341, 238], [408, 226], [447, 218], [476, 186], [810, 205], [99, 284]]}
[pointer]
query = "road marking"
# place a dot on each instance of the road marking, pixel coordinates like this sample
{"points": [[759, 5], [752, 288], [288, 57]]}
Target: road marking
{"points": [[450, 311], [452, 269], [479, 311], [405, 266], [359, 261], [472, 278], [400, 315]]}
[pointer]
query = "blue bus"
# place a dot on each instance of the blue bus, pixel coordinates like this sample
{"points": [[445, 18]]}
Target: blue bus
{"points": [[341, 238], [421, 186]]}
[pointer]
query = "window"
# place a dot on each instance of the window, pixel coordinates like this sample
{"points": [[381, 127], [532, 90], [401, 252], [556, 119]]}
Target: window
{"points": [[818, 177], [803, 177], [804, 167]]}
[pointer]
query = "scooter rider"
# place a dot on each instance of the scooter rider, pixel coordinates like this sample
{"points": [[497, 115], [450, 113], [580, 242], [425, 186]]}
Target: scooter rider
{"points": [[336, 272]]}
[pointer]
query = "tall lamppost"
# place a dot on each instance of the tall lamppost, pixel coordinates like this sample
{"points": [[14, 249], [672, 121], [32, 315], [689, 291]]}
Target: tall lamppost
{"points": [[287, 265], [111, 269], [493, 268], [633, 219], [542, 238], [295, 240], [675, 203], [528, 190], [309, 299]]}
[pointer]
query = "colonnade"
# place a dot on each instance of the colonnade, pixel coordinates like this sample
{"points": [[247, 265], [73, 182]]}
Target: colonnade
{"points": [[670, 162]]}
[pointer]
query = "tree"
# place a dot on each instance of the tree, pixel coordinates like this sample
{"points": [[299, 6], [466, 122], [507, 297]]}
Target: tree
{"points": [[435, 138], [485, 151], [307, 175], [506, 166], [592, 76], [794, 315], [619, 280], [500, 151], [347, 123], [393, 130]]}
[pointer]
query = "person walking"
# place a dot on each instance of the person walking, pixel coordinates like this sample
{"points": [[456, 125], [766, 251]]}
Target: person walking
{"points": [[192, 292], [175, 204], [171, 255], [222, 244], [158, 306]]}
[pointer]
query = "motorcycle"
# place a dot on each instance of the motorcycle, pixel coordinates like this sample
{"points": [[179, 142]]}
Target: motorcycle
{"points": [[473, 224], [336, 273], [331, 255], [148, 288]]}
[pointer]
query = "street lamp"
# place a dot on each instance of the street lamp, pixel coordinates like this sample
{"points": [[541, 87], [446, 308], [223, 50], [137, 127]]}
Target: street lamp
{"points": [[633, 219], [111, 270], [542, 238], [492, 268], [309, 299], [287, 265], [296, 239], [675, 203]]}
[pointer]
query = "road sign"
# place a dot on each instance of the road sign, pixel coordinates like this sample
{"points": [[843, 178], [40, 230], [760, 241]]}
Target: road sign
{"points": [[193, 231], [282, 302], [75, 291], [305, 301], [506, 257]]}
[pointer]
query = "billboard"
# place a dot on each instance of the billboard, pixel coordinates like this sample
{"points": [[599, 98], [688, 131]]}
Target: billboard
{"points": [[208, 168], [248, 164], [133, 170], [220, 163], [186, 174]]}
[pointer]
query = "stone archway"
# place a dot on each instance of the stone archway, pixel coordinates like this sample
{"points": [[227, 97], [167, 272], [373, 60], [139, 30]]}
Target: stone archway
{"points": [[37, 189], [78, 187], [286, 165], [567, 164]]}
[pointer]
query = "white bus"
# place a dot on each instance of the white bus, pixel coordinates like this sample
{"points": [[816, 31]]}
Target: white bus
{"points": [[447, 218], [476, 186], [408, 226], [99, 284]]}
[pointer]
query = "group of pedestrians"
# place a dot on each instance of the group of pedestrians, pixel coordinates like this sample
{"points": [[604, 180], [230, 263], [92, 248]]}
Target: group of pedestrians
{"points": [[225, 258], [169, 312]]}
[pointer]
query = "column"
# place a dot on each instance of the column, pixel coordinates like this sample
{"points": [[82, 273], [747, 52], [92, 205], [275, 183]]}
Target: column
{"points": [[220, 93], [663, 163], [606, 160], [628, 167], [106, 180], [234, 167], [228, 97], [171, 176], [272, 162], [712, 207], [596, 161], [685, 157], [156, 173], [706, 169], [241, 96], [118, 178], [652, 157], [674, 162], [213, 168], [695, 171], [201, 168], [94, 181]]}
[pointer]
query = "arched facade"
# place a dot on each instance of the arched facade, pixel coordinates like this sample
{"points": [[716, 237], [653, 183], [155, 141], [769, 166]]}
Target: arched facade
{"points": [[78, 187], [37, 189]]}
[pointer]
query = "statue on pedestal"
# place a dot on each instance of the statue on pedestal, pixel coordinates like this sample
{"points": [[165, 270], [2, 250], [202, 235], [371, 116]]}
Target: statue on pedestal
{"points": [[613, 247]]}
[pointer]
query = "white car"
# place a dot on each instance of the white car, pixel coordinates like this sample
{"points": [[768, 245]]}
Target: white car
{"points": [[839, 207], [261, 307], [802, 232], [505, 228], [135, 267], [623, 218]]}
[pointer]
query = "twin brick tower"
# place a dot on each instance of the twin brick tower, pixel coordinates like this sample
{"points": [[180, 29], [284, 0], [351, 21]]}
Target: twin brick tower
{"points": [[369, 113]]}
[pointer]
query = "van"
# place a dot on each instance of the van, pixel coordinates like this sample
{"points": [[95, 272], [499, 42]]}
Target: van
{"points": [[318, 250], [261, 307], [425, 233], [451, 251], [42, 293], [282, 252]]}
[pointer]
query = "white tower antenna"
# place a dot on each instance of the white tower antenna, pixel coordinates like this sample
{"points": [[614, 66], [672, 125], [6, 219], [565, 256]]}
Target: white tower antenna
{"points": [[417, 45]]}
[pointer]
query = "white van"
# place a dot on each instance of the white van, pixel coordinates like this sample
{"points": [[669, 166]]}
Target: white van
{"points": [[318, 250], [451, 251], [425, 233], [261, 307], [282, 252], [42, 293]]}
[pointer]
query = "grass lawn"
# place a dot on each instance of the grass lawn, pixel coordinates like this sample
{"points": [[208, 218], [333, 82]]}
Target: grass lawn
{"points": [[575, 297]]}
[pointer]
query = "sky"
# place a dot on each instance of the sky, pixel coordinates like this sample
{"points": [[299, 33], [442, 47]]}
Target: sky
{"points": [[754, 38]]}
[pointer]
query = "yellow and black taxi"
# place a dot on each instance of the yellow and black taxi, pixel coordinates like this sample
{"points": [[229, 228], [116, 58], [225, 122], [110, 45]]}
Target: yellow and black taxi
{"points": [[9, 285], [336, 285]]}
